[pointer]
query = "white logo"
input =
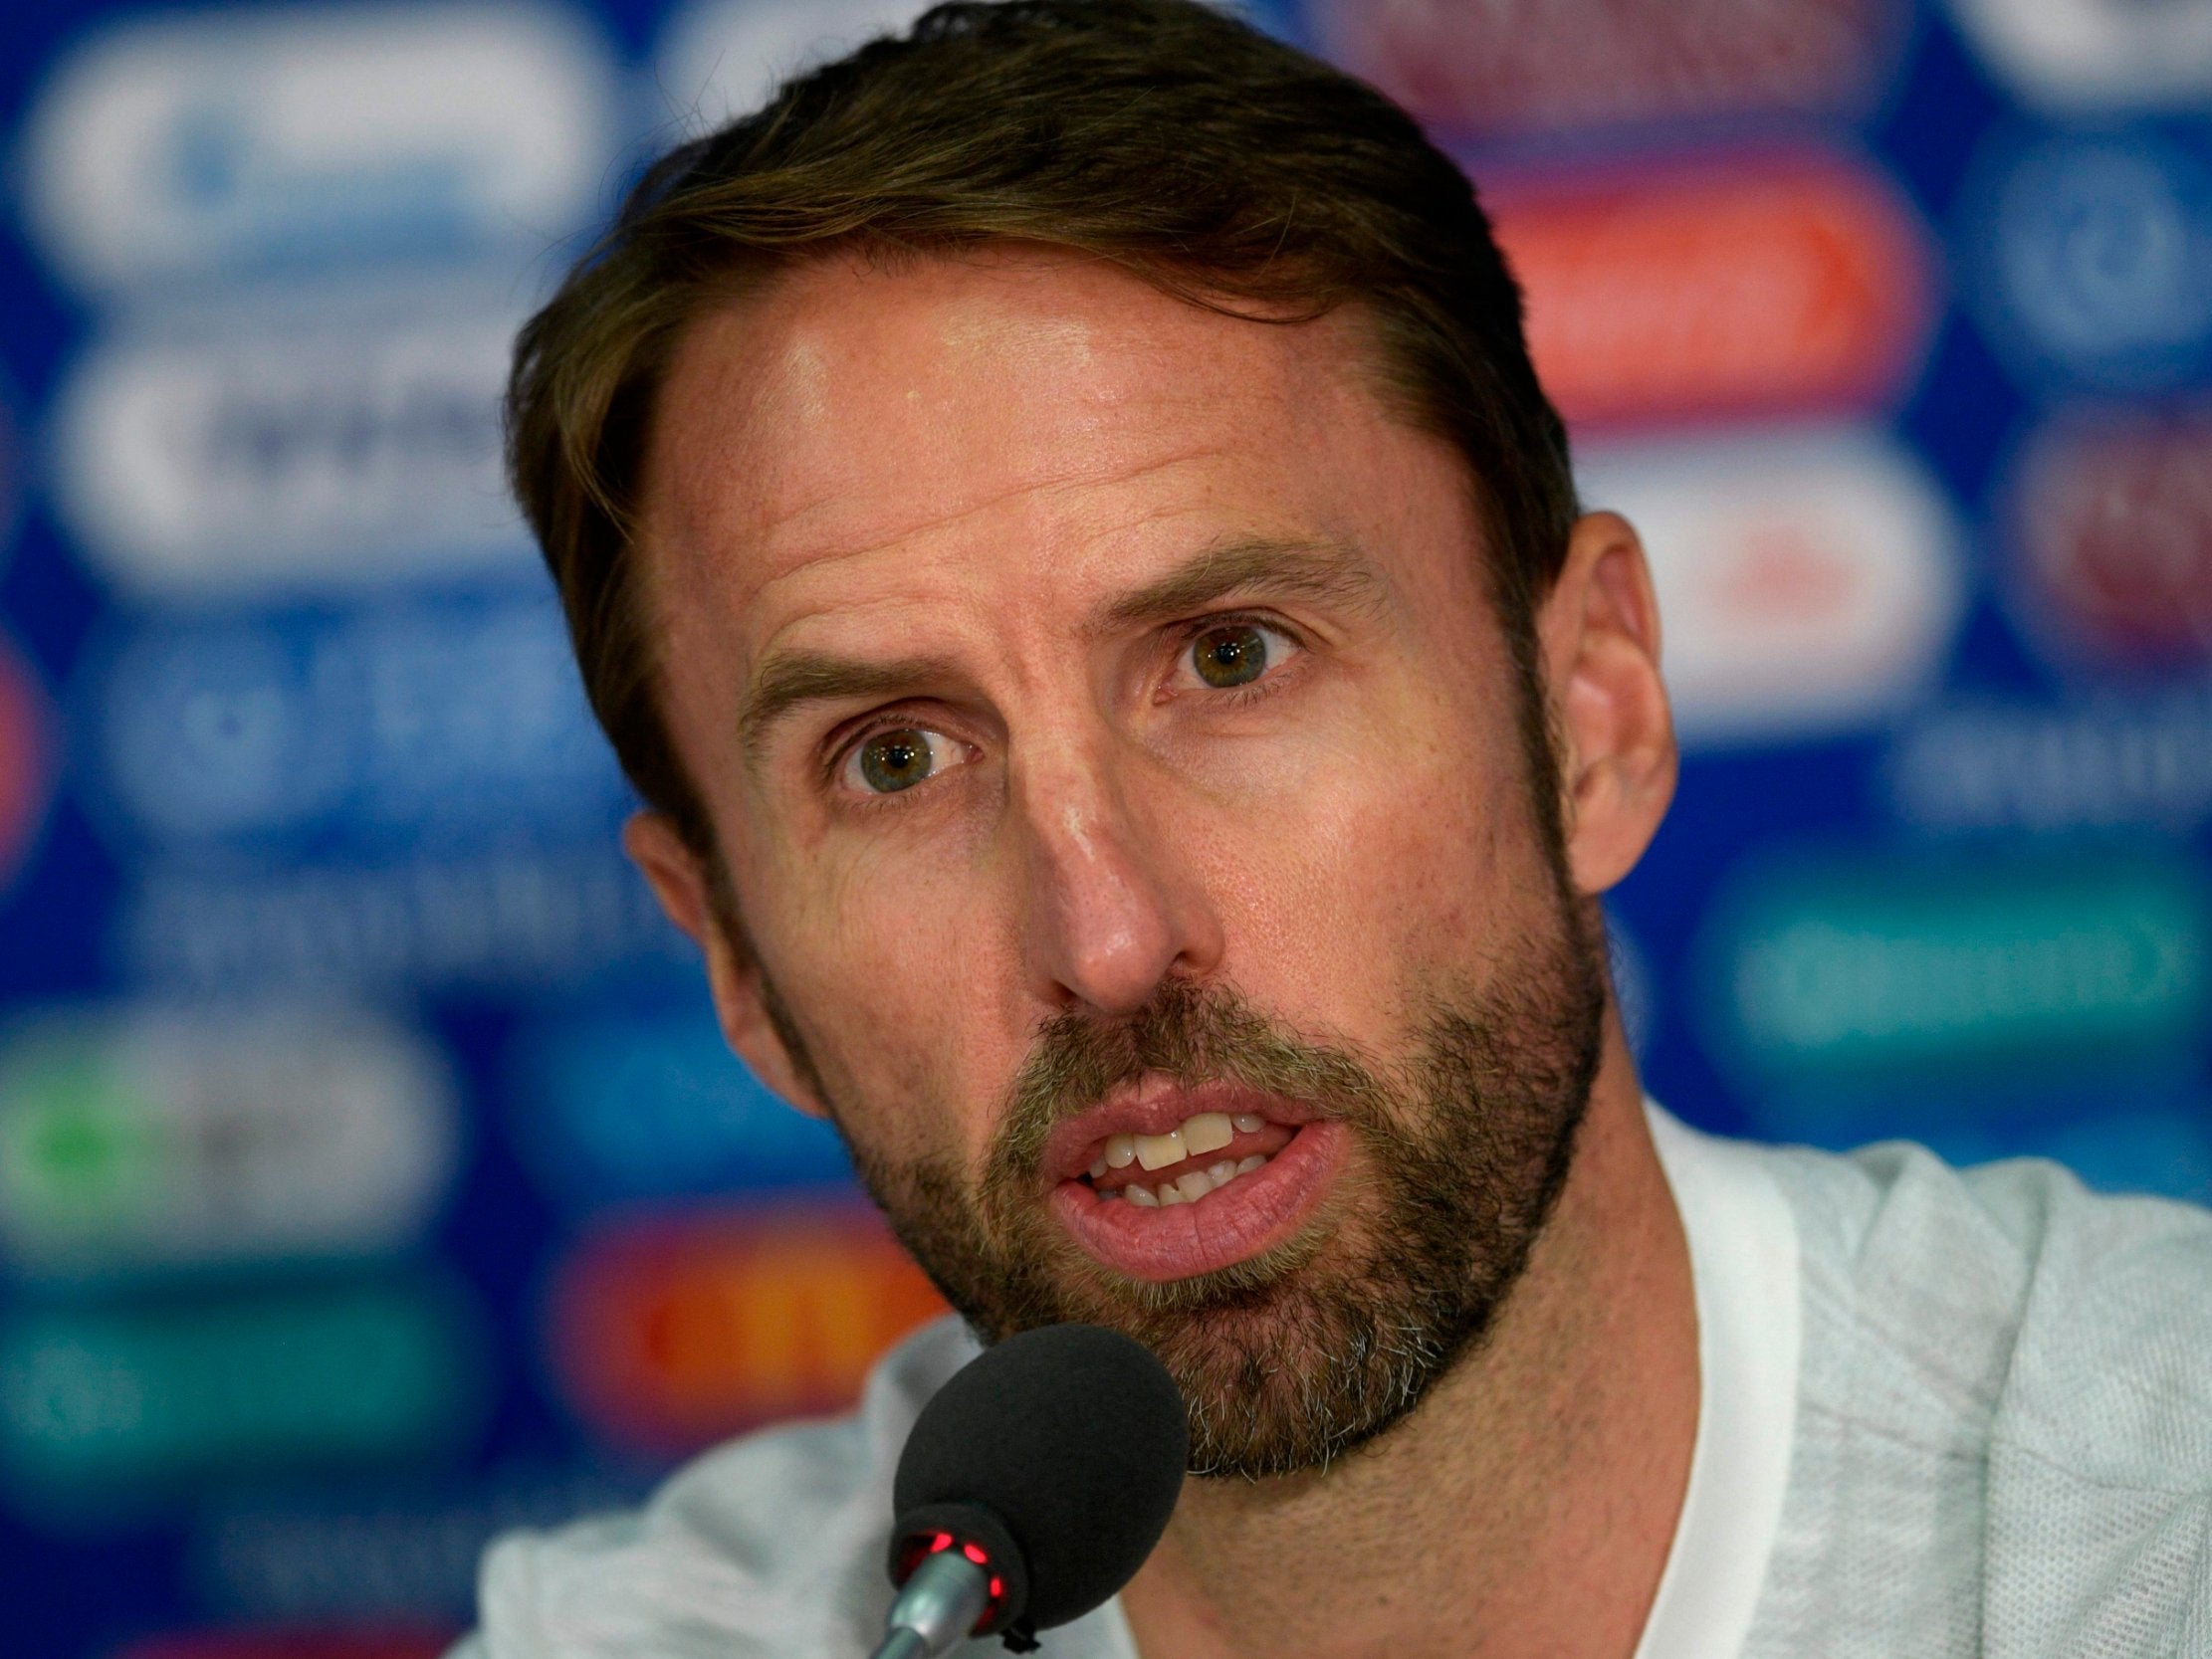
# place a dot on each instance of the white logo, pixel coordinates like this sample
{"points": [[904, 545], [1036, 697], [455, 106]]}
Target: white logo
{"points": [[2109, 762], [725, 58], [1805, 582], [520, 919], [428, 723], [2092, 53], [191, 146], [151, 1137], [356, 448]]}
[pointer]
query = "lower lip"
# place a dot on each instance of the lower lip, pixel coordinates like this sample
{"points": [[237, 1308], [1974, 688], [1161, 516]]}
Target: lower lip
{"points": [[1253, 1214]]}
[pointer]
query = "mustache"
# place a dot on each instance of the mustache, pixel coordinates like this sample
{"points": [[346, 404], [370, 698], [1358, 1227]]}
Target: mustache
{"points": [[1188, 1032]]}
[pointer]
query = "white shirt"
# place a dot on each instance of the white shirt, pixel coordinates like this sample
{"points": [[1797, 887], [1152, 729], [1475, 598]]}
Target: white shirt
{"points": [[1743, 1261], [1942, 1415]]}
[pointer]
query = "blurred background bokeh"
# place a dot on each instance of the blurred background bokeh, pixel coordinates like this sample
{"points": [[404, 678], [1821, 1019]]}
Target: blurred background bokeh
{"points": [[372, 1177]]}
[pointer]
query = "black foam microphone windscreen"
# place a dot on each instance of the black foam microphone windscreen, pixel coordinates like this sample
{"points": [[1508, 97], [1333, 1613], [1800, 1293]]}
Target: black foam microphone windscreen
{"points": [[1074, 1437]]}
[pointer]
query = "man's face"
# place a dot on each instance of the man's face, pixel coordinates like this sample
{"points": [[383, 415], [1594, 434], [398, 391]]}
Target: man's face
{"points": [[1119, 769]]}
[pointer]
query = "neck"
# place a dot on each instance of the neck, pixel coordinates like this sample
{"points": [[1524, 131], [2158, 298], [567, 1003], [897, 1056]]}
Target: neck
{"points": [[1526, 1507]]}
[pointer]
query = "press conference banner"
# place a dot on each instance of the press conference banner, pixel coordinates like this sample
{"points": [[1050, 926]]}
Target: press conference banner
{"points": [[372, 1177]]}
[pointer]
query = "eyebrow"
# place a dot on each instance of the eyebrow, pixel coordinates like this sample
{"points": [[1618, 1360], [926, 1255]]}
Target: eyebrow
{"points": [[790, 680], [1326, 571], [1330, 571]]}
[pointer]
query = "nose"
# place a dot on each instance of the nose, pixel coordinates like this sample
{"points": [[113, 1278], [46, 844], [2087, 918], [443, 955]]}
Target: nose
{"points": [[1110, 911]]}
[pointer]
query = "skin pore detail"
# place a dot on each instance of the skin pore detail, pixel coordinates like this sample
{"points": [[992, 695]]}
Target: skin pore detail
{"points": [[1199, 797]]}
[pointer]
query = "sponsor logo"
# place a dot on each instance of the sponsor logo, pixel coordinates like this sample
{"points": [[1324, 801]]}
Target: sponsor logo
{"points": [[409, 1555], [26, 768], [726, 56], [107, 1403], [445, 723], [293, 1644], [1532, 64], [184, 147], [2095, 260], [2087, 53], [610, 1108], [358, 449], [1779, 283], [2113, 519], [508, 921], [150, 1137], [2111, 763], [1807, 582], [672, 1335], [1853, 972]]}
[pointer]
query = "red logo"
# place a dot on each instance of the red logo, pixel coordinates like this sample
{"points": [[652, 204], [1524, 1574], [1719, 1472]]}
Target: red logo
{"points": [[24, 768], [672, 1335], [1523, 63], [1809, 579], [1796, 283], [2115, 524]]}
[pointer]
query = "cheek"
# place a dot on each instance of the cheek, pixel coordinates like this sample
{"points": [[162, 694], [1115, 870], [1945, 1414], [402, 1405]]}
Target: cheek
{"points": [[1408, 852], [896, 998]]}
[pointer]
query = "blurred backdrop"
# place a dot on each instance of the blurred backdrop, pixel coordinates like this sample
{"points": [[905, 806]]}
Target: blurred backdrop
{"points": [[371, 1176]]}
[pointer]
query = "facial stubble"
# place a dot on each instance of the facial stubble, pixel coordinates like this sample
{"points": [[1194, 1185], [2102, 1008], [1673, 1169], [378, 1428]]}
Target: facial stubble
{"points": [[1298, 1355], [1293, 1358]]}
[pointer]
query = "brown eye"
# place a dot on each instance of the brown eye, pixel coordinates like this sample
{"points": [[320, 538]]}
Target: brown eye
{"points": [[1234, 655], [893, 760]]}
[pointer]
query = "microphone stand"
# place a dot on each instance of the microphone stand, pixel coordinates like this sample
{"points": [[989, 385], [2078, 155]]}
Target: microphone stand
{"points": [[934, 1609]]}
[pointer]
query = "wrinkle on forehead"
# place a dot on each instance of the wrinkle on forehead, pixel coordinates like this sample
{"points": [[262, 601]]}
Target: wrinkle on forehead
{"points": [[908, 458], [797, 564], [993, 375]]}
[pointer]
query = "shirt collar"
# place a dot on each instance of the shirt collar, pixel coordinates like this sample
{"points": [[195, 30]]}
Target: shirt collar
{"points": [[1743, 1257]]}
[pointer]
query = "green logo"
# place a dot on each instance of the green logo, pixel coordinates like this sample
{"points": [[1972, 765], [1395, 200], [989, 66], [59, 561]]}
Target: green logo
{"points": [[99, 1399], [78, 1153], [138, 1140], [1860, 970]]}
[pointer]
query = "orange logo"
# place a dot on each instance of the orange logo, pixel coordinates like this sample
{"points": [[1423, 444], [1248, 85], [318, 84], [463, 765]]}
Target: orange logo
{"points": [[670, 1335], [1780, 284]]}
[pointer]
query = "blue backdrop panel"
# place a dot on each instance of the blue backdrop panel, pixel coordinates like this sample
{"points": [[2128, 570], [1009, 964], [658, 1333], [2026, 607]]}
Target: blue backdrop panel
{"points": [[371, 1174]]}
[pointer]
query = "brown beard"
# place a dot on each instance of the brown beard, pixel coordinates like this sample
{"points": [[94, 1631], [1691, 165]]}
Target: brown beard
{"points": [[1293, 1358]]}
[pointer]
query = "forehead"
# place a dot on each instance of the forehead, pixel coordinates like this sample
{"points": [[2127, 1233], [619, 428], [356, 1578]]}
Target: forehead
{"points": [[858, 410]]}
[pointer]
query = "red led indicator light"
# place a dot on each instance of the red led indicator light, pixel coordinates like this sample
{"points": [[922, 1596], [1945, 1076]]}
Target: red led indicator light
{"points": [[974, 1553]]}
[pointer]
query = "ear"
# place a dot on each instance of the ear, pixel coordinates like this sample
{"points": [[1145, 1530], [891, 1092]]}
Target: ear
{"points": [[1599, 632], [681, 882]]}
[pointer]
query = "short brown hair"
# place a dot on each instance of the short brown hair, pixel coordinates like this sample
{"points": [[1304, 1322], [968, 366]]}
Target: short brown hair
{"points": [[1161, 135]]}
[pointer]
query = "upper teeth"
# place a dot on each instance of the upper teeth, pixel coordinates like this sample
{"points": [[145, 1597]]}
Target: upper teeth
{"points": [[1209, 1132]]}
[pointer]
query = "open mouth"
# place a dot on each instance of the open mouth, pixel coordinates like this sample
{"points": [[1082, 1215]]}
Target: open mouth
{"points": [[1176, 1182], [1197, 1158]]}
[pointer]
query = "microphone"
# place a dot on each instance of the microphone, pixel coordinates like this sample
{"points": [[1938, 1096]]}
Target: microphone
{"points": [[1032, 1488]]}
